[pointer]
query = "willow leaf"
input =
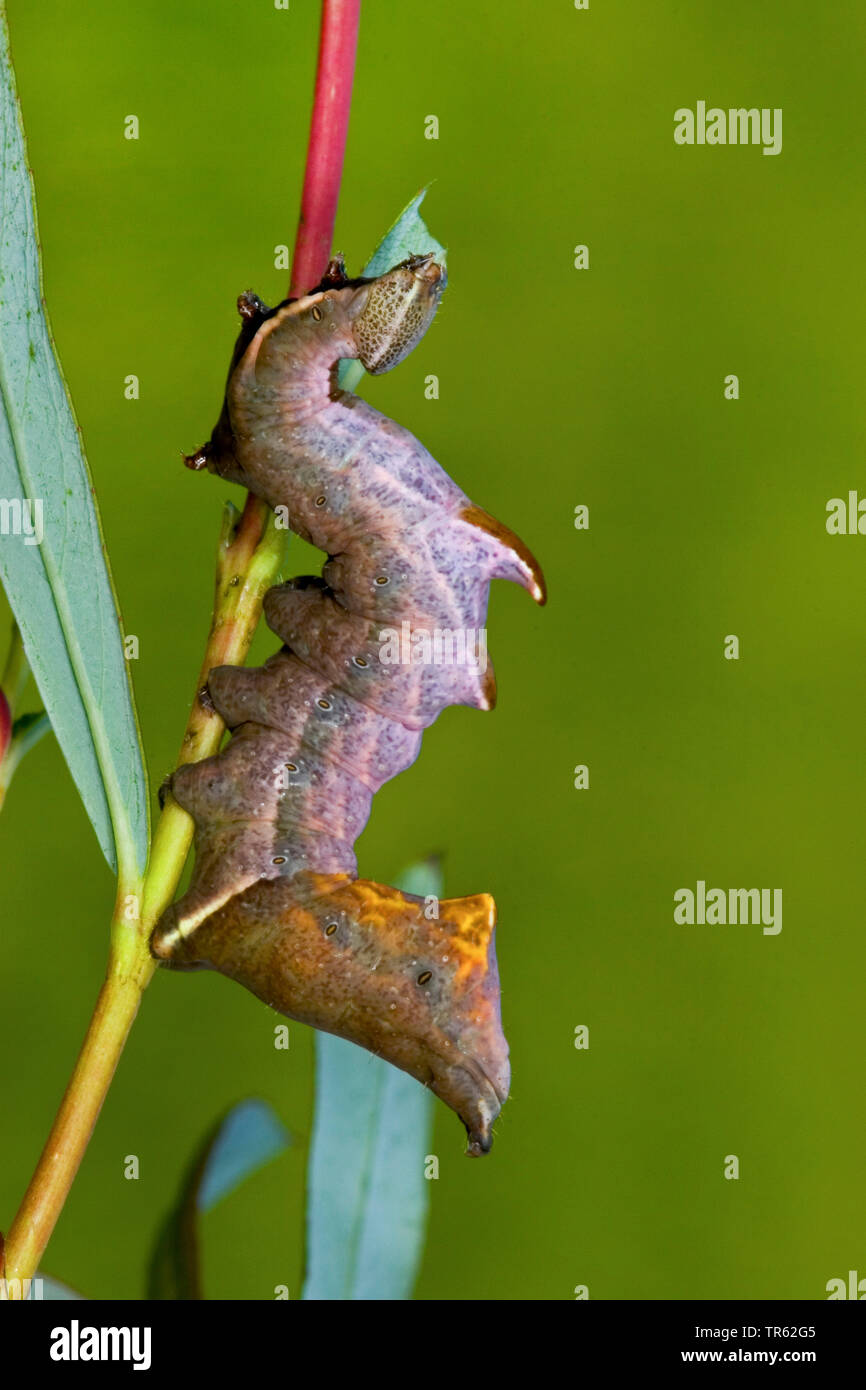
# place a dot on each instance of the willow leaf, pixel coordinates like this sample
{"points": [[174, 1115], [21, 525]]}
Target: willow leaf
{"points": [[52, 555]]}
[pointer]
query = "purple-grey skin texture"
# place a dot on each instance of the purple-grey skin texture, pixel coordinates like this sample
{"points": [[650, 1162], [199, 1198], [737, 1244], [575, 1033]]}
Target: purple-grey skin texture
{"points": [[275, 901]]}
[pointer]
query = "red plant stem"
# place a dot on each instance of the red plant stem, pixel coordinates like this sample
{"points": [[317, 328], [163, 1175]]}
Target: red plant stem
{"points": [[338, 41]]}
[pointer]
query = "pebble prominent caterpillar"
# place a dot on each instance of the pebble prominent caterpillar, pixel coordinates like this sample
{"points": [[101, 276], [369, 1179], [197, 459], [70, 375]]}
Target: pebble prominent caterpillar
{"points": [[274, 900]]}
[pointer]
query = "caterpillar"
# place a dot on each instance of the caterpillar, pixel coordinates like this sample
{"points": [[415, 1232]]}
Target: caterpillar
{"points": [[274, 900]]}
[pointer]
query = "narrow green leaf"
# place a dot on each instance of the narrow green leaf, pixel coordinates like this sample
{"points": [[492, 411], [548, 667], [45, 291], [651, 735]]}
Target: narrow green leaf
{"points": [[52, 556], [407, 237], [367, 1196], [247, 1138]]}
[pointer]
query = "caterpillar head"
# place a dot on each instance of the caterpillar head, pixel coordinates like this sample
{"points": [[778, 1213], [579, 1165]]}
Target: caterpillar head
{"points": [[391, 314]]}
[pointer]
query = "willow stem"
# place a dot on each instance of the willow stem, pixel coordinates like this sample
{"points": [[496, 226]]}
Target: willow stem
{"points": [[247, 563], [248, 559], [338, 43], [43, 1201]]}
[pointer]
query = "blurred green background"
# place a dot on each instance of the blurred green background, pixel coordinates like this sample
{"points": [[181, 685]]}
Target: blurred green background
{"points": [[602, 386]]}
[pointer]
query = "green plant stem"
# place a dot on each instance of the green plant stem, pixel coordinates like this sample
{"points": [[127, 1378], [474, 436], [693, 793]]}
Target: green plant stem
{"points": [[112, 1019], [249, 556], [247, 564]]}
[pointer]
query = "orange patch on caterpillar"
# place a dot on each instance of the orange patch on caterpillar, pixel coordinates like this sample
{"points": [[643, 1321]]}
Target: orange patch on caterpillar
{"points": [[365, 961]]}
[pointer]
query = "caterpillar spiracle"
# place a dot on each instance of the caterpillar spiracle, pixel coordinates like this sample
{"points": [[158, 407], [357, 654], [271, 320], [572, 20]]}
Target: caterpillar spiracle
{"points": [[274, 901]]}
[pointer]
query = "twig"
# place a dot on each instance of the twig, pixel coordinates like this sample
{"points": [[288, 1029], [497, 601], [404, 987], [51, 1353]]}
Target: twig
{"points": [[246, 568], [338, 42]]}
